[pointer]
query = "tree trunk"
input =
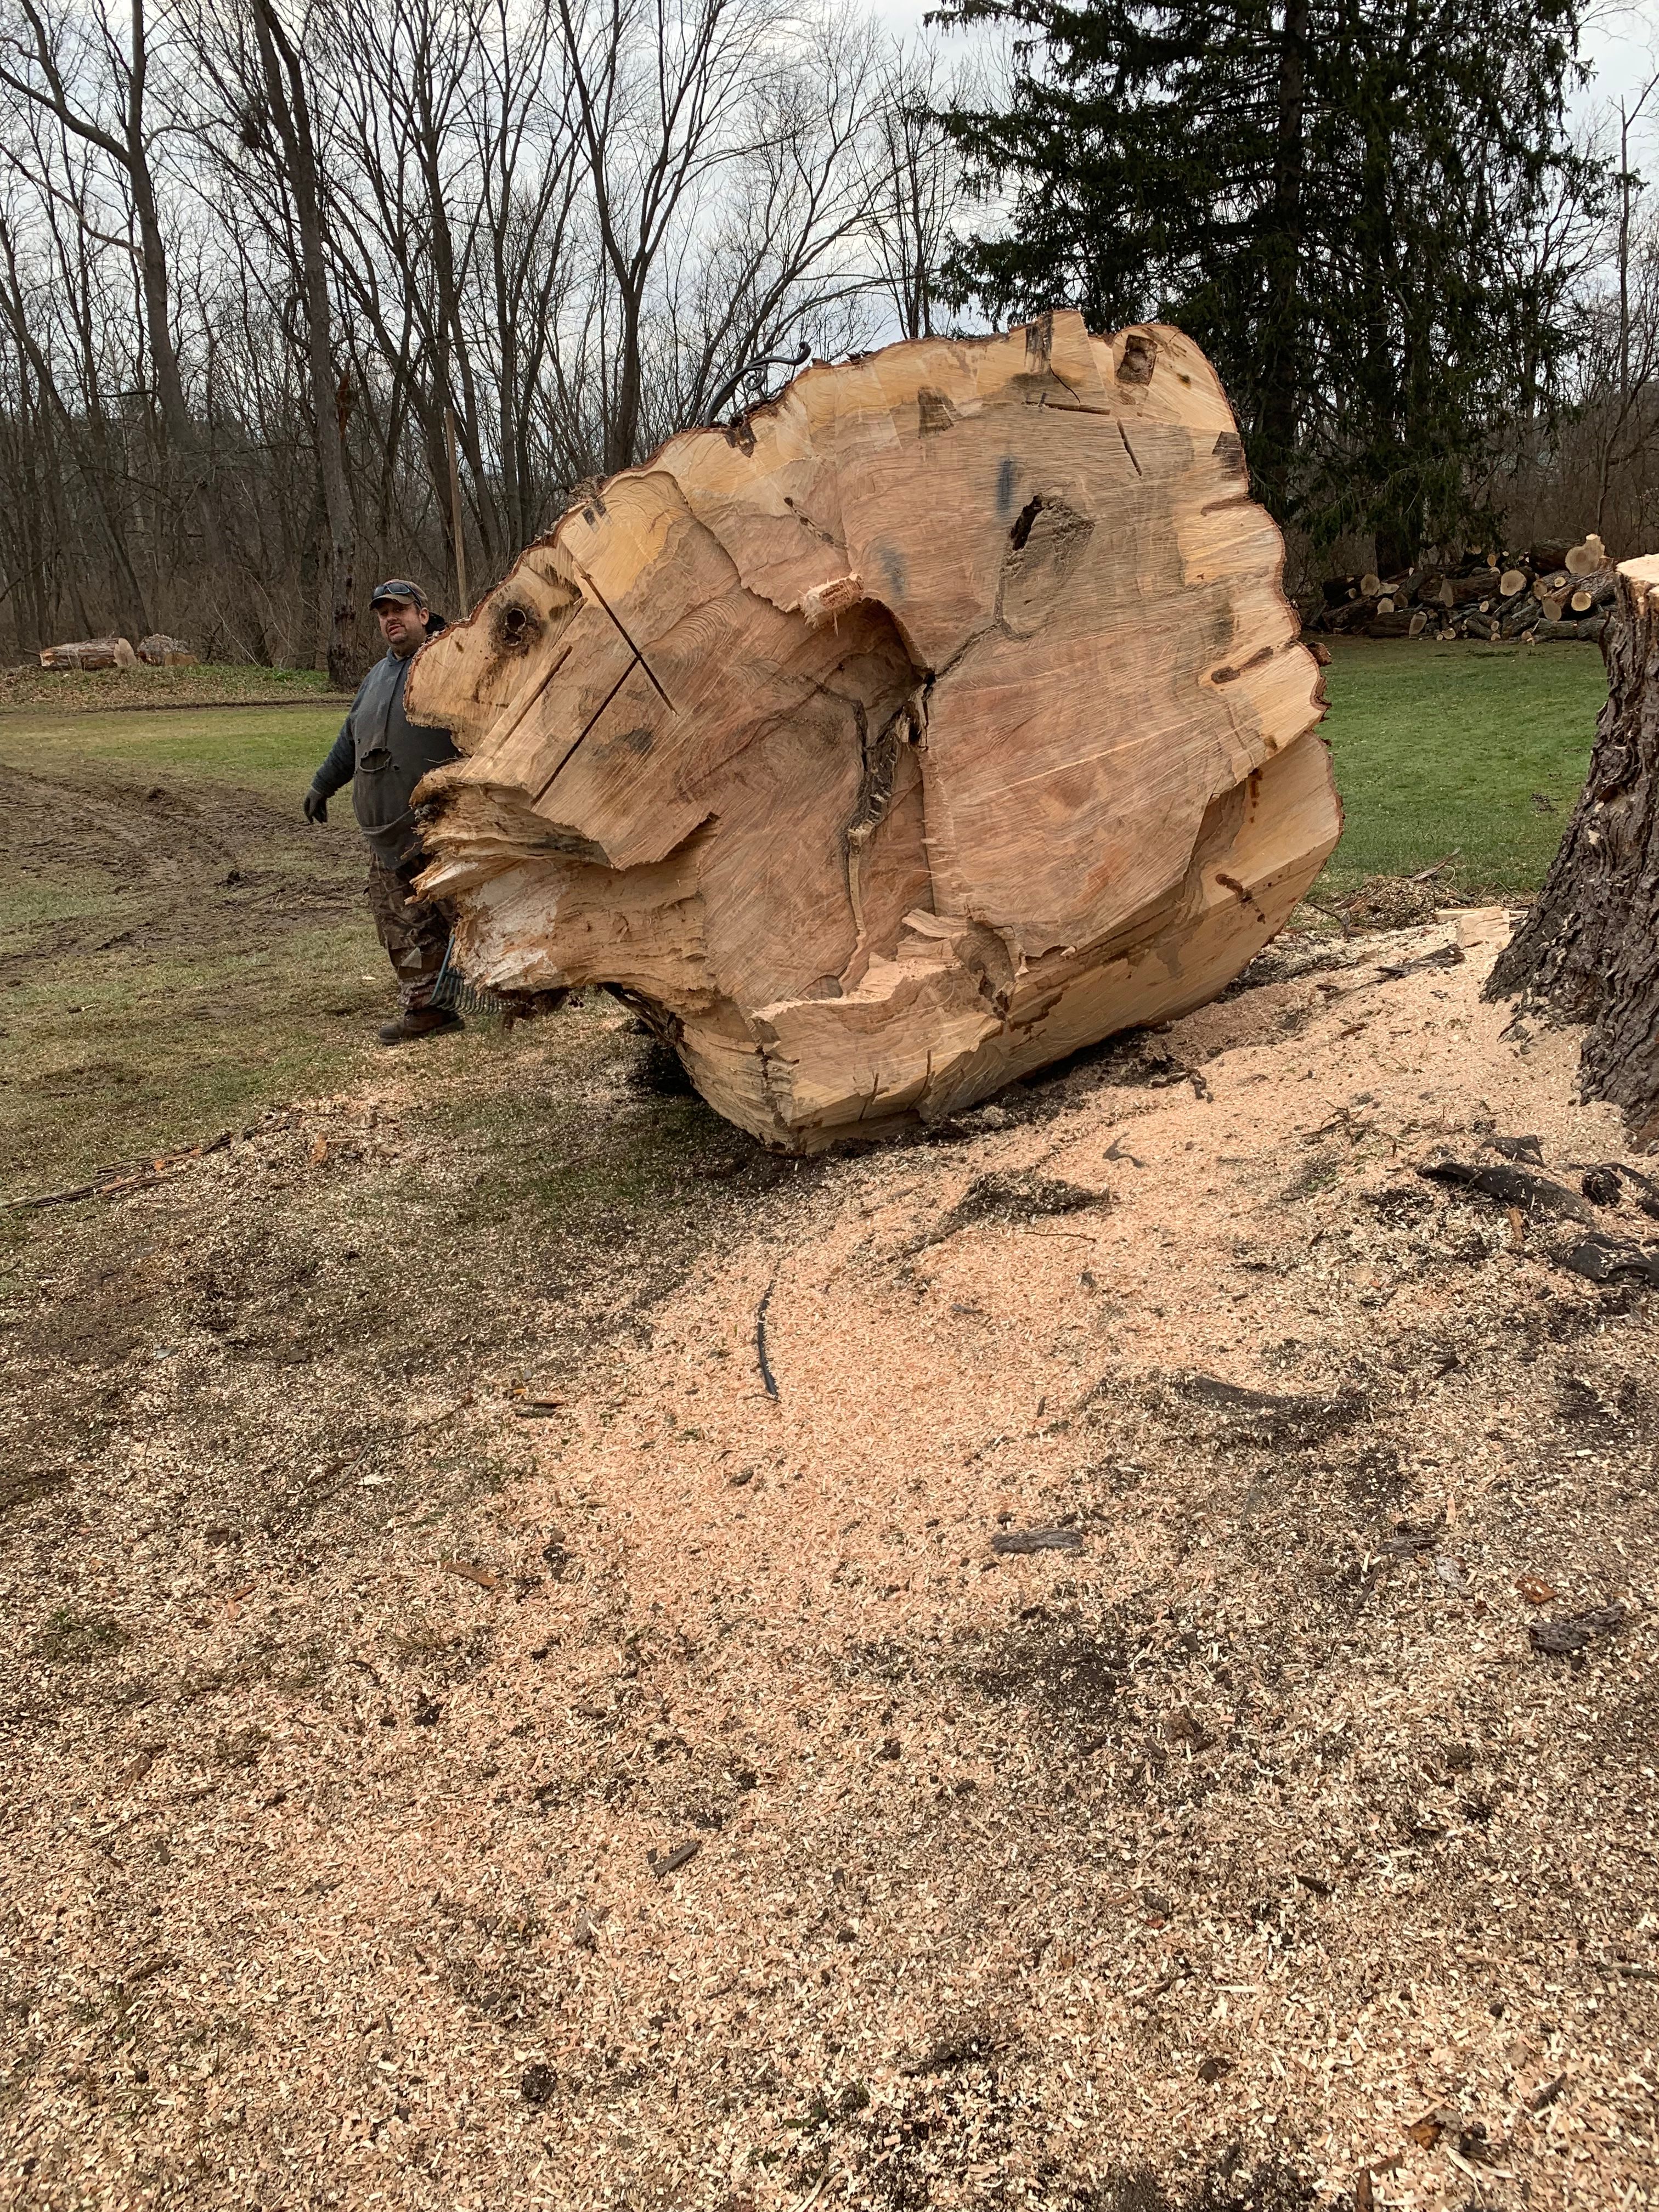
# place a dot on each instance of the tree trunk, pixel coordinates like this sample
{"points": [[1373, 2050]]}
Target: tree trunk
{"points": [[1589, 947], [940, 720], [290, 109], [1282, 333], [156, 285]]}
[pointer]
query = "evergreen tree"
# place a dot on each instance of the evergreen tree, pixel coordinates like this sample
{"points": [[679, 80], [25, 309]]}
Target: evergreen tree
{"points": [[1362, 210]]}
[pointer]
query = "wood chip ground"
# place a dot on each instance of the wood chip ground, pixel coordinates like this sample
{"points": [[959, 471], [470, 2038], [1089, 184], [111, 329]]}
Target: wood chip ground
{"points": [[1237, 1849]]}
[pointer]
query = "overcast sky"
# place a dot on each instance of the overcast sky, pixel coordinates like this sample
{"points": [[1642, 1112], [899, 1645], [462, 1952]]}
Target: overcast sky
{"points": [[1622, 41]]}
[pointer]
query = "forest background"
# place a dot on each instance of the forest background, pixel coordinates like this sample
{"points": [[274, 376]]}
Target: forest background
{"points": [[260, 264]]}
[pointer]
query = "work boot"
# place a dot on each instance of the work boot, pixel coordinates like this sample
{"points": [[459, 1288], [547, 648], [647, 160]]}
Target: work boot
{"points": [[419, 1022]]}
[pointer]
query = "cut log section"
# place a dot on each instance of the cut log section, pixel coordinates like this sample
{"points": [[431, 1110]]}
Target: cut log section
{"points": [[90, 652], [941, 718]]}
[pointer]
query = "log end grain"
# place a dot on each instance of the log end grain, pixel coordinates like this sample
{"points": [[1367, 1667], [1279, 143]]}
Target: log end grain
{"points": [[940, 719]]}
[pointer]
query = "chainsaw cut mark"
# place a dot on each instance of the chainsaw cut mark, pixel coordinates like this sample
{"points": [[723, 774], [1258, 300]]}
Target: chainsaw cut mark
{"points": [[636, 663], [628, 642]]}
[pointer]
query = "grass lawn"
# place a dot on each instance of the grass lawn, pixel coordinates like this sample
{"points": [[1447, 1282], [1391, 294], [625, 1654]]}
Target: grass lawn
{"points": [[179, 947], [75, 690], [1444, 747], [180, 950]]}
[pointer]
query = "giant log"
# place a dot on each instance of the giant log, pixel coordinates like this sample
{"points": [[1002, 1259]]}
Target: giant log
{"points": [[942, 717]]}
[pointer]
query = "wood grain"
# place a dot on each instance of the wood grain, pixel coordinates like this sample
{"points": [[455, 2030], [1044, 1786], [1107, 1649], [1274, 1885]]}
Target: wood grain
{"points": [[941, 718]]}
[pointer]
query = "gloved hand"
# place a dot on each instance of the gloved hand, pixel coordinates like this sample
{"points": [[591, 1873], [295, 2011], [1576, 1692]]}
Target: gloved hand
{"points": [[316, 805]]}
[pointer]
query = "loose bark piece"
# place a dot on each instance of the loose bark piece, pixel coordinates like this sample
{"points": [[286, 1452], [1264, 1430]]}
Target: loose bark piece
{"points": [[941, 718], [1014, 1541], [1511, 1187], [673, 1861], [1589, 944]]}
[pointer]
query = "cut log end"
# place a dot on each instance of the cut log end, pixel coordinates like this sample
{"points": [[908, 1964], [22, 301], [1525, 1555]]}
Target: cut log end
{"points": [[944, 719]]}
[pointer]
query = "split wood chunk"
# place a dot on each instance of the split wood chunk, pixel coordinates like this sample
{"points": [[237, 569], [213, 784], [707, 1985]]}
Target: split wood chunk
{"points": [[938, 719], [161, 651]]}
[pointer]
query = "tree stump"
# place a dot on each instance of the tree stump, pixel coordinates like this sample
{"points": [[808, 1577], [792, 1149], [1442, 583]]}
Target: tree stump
{"points": [[1588, 949], [940, 718]]}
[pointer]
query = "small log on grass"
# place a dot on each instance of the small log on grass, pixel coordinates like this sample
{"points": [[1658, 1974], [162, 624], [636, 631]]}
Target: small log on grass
{"points": [[943, 716], [90, 652], [1588, 949]]}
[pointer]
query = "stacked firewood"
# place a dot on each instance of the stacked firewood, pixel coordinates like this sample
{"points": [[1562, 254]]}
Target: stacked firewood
{"points": [[1546, 593]]}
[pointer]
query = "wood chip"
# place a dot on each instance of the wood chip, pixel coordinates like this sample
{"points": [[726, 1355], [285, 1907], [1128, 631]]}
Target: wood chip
{"points": [[469, 1572]]}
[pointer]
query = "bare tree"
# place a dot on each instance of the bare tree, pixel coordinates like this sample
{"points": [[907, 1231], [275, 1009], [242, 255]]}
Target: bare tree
{"points": [[93, 73], [656, 83], [287, 100], [916, 184], [248, 266]]}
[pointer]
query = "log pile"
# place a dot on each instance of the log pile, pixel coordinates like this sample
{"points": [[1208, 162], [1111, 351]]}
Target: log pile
{"points": [[1549, 594], [942, 717]]}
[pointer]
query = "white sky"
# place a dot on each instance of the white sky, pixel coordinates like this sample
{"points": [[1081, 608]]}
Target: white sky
{"points": [[1623, 42]]}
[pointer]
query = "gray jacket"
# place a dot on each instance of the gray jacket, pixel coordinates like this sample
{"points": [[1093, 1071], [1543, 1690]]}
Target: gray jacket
{"points": [[383, 755]]}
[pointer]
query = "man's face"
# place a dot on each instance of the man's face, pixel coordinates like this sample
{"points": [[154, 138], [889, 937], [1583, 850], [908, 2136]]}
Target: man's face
{"points": [[401, 625]]}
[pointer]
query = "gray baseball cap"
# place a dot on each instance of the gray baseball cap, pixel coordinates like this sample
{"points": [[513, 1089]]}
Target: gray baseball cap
{"points": [[401, 589]]}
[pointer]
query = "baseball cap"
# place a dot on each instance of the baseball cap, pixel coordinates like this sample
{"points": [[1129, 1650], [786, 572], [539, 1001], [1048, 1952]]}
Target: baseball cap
{"points": [[399, 588]]}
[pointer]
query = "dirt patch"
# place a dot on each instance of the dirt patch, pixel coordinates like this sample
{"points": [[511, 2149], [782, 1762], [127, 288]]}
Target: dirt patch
{"points": [[131, 832], [176, 868], [531, 1761]]}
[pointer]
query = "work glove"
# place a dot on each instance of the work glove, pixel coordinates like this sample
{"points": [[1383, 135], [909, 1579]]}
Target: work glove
{"points": [[316, 805]]}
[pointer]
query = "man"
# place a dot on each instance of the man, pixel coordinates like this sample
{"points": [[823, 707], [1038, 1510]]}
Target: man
{"points": [[383, 755]]}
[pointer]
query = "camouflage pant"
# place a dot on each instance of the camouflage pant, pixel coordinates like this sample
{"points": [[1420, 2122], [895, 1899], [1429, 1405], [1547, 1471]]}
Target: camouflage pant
{"points": [[414, 933]]}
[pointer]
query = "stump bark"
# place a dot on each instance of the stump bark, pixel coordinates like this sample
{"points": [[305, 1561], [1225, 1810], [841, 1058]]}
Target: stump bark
{"points": [[941, 718], [1588, 949]]}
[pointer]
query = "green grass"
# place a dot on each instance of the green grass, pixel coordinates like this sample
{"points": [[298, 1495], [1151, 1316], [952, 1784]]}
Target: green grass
{"points": [[77, 690], [273, 753], [1443, 747], [178, 949]]}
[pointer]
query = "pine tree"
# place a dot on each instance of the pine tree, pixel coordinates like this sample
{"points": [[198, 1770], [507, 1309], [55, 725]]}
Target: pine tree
{"points": [[1355, 206]]}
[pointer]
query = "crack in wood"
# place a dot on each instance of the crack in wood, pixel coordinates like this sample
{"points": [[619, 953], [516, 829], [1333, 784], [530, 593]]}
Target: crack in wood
{"points": [[1130, 451]]}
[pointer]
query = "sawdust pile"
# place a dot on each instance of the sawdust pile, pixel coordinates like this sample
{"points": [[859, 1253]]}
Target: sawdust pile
{"points": [[1081, 1742]]}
